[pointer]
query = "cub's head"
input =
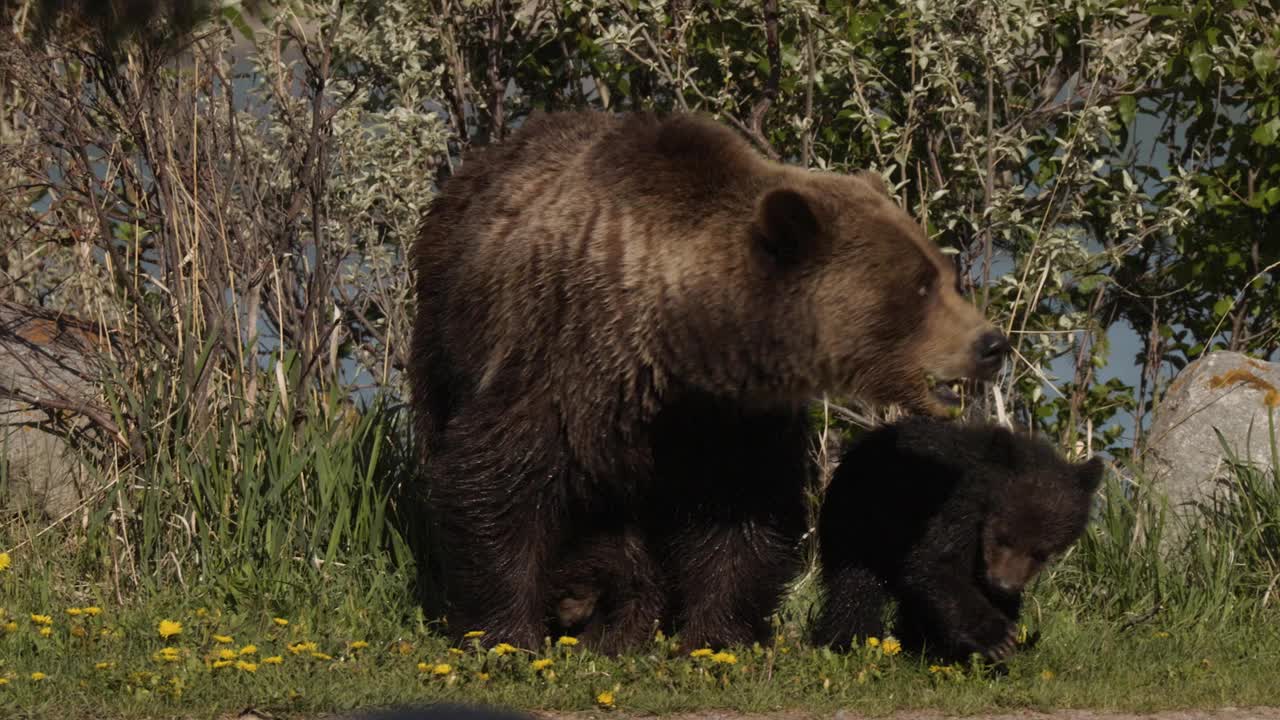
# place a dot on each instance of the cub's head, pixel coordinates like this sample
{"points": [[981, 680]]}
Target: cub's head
{"points": [[881, 305], [1037, 507]]}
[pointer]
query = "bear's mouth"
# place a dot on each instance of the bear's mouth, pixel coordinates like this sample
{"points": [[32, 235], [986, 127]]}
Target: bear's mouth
{"points": [[946, 392]]}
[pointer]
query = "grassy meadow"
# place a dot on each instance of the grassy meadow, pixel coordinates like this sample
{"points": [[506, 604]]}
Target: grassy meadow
{"points": [[263, 564]]}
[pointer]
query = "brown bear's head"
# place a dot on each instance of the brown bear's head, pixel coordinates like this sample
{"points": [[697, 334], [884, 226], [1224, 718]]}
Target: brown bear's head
{"points": [[887, 315], [1038, 506]]}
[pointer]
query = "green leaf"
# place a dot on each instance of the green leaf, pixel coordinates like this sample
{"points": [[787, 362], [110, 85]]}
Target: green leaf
{"points": [[1172, 11], [1128, 107], [1265, 134], [1264, 60], [1201, 66], [1222, 307], [1273, 196]]}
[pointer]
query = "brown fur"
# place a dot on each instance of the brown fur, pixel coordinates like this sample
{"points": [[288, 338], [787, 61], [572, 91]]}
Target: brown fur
{"points": [[600, 298]]}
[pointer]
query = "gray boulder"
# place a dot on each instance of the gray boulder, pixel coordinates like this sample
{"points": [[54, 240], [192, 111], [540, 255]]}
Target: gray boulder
{"points": [[1227, 391], [48, 381]]}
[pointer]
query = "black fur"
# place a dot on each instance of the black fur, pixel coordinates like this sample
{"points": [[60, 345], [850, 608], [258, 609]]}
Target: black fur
{"points": [[938, 516]]}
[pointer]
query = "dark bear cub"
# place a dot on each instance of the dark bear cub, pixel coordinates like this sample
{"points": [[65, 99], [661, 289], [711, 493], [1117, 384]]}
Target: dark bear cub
{"points": [[951, 521]]}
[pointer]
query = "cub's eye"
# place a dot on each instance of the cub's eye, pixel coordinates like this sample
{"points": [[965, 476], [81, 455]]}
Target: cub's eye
{"points": [[923, 290]]}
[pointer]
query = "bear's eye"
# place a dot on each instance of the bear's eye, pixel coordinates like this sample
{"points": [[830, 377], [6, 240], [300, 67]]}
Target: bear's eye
{"points": [[923, 290]]}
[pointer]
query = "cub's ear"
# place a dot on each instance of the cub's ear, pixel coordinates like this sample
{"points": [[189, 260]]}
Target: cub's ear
{"points": [[786, 225], [1003, 447], [1089, 474]]}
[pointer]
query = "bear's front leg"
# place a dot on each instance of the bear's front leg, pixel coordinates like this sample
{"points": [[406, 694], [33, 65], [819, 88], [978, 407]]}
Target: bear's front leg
{"points": [[728, 579], [951, 610], [728, 516]]}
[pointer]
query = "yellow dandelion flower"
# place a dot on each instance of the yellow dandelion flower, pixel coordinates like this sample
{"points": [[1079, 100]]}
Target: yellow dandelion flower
{"points": [[223, 639], [273, 660], [566, 641], [169, 628], [10, 626], [227, 654], [219, 664], [38, 676], [503, 649], [4, 681], [281, 622], [300, 647], [246, 666], [935, 669], [73, 612], [103, 666], [457, 651], [79, 632], [41, 619], [541, 664], [1160, 634], [92, 611], [873, 641], [424, 667], [359, 645], [702, 652], [891, 646], [441, 669], [482, 676], [249, 649], [46, 631], [474, 634], [167, 654], [201, 612], [321, 656], [724, 658], [4, 561], [1046, 675], [605, 699]]}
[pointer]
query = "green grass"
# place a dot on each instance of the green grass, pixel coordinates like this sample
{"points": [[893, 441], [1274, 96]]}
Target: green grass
{"points": [[1079, 661], [252, 518]]}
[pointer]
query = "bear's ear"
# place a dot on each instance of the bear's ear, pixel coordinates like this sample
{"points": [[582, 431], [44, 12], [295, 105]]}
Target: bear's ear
{"points": [[786, 225], [1003, 447], [875, 180], [1089, 474]]}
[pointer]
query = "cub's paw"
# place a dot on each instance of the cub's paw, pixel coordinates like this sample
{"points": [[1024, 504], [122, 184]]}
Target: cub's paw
{"points": [[995, 639], [1001, 650]]}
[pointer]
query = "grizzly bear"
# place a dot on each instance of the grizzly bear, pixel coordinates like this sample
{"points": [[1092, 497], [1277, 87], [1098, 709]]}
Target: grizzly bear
{"points": [[620, 321], [617, 574], [972, 514]]}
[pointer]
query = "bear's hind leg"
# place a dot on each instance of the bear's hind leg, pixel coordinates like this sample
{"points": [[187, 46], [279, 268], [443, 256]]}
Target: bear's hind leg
{"points": [[498, 520], [853, 605]]}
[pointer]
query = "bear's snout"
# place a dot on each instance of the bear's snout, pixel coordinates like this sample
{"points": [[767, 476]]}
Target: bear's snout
{"points": [[990, 350]]}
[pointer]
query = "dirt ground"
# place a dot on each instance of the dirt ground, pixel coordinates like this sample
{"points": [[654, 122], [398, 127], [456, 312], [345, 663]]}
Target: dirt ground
{"points": [[1219, 714], [1226, 713]]}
